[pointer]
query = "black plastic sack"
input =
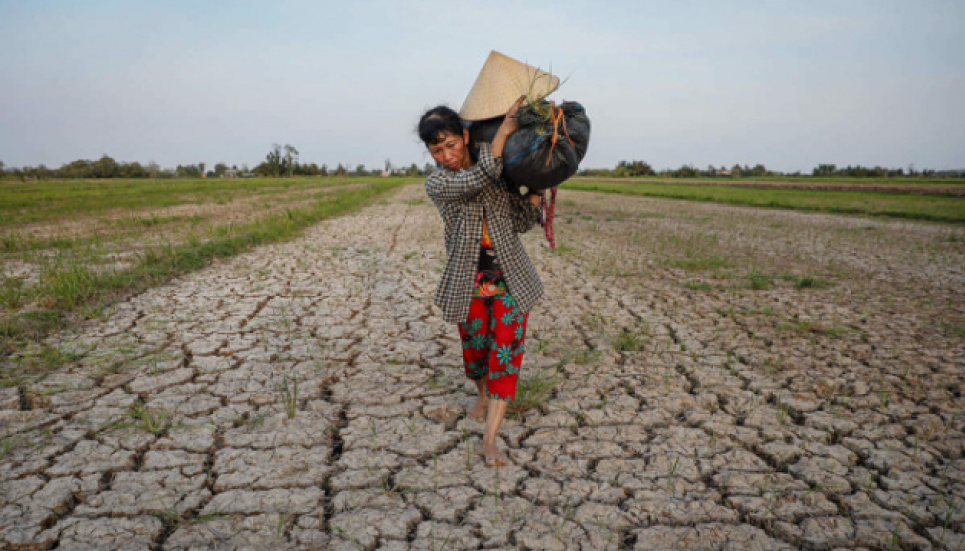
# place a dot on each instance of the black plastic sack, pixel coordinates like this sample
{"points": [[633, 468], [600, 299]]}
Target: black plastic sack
{"points": [[532, 159]]}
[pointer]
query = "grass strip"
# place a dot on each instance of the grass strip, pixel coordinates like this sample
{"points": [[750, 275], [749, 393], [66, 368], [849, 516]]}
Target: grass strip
{"points": [[59, 200], [917, 207], [74, 288]]}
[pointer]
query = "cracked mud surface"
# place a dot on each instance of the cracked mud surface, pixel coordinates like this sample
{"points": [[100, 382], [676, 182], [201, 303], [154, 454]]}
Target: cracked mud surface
{"points": [[693, 410]]}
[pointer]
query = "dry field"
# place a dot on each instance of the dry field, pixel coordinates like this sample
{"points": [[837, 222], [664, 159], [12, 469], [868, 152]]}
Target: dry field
{"points": [[697, 376], [115, 237]]}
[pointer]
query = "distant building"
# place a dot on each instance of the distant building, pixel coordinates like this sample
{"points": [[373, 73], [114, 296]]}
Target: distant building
{"points": [[230, 173], [723, 172]]}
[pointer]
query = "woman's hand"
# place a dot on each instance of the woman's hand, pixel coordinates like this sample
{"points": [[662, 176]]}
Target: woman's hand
{"points": [[509, 125], [510, 122]]}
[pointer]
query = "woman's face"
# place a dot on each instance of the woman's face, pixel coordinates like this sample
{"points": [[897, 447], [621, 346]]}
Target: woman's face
{"points": [[453, 151]]}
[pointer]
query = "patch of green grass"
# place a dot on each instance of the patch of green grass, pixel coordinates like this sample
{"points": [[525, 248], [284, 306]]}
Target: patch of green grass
{"points": [[156, 422], [809, 282], [47, 357], [12, 241], [289, 396], [67, 285], [696, 263], [900, 205], [17, 330], [8, 443], [628, 340], [583, 356], [758, 280], [533, 392], [954, 329], [697, 285], [32, 362], [12, 293], [562, 249]]}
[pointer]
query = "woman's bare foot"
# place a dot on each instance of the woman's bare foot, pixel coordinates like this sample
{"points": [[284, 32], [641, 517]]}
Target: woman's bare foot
{"points": [[491, 454], [478, 411]]}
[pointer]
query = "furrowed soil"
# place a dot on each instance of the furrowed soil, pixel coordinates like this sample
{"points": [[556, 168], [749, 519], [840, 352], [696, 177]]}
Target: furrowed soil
{"points": [[717, 377]]}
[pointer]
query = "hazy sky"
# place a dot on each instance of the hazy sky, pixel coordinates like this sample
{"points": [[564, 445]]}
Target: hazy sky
{"points": [[788, 84]]}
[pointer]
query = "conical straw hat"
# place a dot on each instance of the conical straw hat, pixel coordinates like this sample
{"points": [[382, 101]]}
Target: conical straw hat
{"points": [[500, 83]]}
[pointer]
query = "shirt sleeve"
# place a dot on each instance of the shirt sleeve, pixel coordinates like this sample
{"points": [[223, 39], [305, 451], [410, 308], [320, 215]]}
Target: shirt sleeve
{"points": [[525, 215], [456, 185]]}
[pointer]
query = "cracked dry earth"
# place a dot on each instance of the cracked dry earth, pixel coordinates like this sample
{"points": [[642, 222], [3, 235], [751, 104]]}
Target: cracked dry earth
{"points": [[683, 417]]}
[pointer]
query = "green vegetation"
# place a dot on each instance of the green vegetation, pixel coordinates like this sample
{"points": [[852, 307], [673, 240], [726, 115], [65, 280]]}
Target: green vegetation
{"points": [[155, 422], [758, 280], [24, 203], [628, 340], [77, 285], [533, 392], [289, 396], [809, 282], [900, 205]]}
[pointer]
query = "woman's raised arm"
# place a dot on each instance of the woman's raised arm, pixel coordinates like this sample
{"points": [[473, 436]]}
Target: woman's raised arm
{"points": [[463, 184]]}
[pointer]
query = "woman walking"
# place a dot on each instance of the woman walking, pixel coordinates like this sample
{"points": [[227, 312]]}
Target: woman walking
{"points": [[489, 283]]}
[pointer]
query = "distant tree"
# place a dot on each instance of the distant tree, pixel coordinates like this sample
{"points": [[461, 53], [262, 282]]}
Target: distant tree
{"points": [[340, 170], [291, 158], [41, 172], [137, 170], [188, 171], [220, 169], [413, 170], [823, 170], [632, 169], [323, 170], [201, 168], [272, 165], [153, 169], [105, 167], [759, 170], [1, 170], [360, 170]]}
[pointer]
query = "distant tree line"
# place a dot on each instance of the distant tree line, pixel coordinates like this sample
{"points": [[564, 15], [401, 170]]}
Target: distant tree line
{"points": [[636, 169], [283, 161], [859, 171]]}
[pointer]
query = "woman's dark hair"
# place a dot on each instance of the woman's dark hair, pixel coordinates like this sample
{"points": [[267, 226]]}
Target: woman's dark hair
{"points": [[436, 122]]}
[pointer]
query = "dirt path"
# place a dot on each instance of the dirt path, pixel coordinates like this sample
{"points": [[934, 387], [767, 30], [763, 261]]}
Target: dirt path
{"points": [[685, 417]]}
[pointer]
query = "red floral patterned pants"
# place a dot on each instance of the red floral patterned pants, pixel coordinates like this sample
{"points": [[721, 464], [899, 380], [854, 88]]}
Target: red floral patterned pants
{"points": [[492, 343]]}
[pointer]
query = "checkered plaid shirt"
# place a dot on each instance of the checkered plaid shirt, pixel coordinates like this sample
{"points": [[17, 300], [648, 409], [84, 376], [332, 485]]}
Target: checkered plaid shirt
{"points": [[461, 197]]}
